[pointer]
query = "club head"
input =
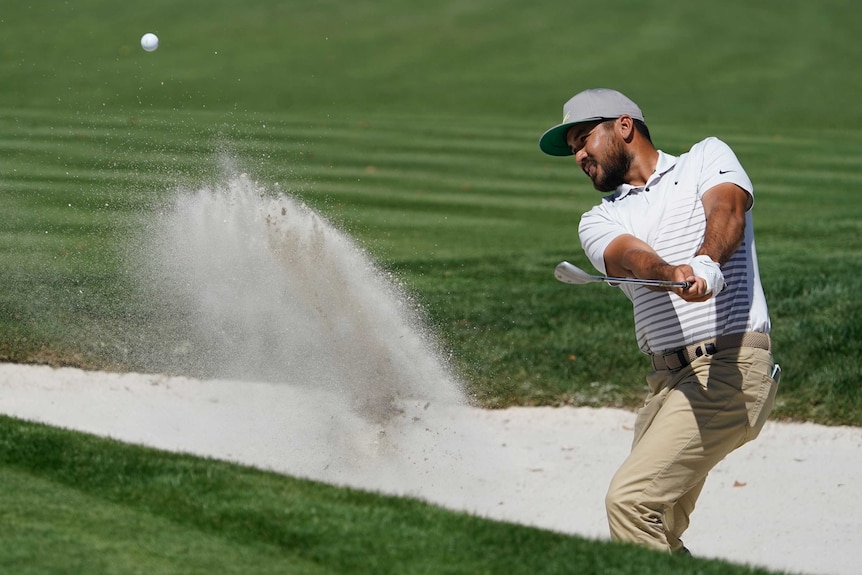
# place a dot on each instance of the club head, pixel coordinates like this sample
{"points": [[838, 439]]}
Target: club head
{"points": [[571, 274]]}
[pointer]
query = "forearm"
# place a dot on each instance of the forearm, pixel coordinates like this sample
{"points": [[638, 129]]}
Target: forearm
{"points": [[724, 232], [627, 256], [644, 264], [725, 207]]}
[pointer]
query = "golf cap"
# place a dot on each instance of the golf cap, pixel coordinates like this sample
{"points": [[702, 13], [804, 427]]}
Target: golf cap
{"points": [[587, 106]]}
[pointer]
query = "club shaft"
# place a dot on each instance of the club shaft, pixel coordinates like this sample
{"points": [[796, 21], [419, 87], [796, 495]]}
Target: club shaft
{"points": [[643, 282]]}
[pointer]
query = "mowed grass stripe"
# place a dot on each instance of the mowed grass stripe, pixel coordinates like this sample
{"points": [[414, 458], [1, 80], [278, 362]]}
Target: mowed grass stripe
{"points": [[452, 177], [417, 200], [376, 181], [399, 147]]}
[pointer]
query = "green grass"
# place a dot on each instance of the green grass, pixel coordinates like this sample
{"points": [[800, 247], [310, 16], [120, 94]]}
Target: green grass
{"points": [[414, 128]]}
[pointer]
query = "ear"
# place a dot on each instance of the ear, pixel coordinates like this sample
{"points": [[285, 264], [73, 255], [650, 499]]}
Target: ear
{"points": [[626, 127]]}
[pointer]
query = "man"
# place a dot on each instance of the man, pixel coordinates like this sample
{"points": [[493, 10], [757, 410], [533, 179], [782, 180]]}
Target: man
{"points": [[687, 219]]}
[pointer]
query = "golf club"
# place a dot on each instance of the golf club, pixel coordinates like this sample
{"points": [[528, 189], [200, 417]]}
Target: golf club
{"points": [[571, 274]]}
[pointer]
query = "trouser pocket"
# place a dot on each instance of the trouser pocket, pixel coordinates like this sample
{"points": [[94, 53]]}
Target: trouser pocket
{"points": [[760, 398]]}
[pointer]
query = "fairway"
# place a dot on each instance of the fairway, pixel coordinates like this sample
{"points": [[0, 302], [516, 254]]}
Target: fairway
{"points": [[412, 131], [416, 133]]}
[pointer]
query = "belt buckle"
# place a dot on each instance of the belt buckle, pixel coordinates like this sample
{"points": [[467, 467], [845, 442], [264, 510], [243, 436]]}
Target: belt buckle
{"points": [[705, 349]]}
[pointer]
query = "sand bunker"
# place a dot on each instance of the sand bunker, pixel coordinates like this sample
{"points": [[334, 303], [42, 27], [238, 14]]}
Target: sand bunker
{"points": [[790, 500]]}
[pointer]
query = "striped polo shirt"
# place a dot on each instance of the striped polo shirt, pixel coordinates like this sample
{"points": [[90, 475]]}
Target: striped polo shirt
{"points": [[667, 213]]}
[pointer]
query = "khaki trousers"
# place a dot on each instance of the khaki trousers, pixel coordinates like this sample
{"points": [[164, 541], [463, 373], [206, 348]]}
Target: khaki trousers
{"points": [[691, 419]]}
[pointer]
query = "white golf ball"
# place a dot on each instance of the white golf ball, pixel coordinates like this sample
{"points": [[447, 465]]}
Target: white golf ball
{"points": [[149, 42]]}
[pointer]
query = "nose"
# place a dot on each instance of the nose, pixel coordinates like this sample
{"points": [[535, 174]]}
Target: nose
{"points": [[580, 155]]}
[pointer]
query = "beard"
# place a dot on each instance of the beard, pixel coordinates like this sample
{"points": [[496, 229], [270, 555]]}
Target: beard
{"points": [[614, 168]]}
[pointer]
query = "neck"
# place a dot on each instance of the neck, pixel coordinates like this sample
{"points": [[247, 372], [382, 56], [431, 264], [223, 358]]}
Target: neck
{"points": [[644, 161]]}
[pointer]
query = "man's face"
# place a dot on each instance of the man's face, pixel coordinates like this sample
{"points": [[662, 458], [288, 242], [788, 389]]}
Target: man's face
{"points": [[601, 154]]}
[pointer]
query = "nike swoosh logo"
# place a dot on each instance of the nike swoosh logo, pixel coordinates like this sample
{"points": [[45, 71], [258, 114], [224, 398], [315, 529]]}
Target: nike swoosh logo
{"points": [[724, 171]]}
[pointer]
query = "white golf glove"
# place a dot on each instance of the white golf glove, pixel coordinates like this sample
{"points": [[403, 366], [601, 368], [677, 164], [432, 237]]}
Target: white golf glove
{"points": [[704, 267]]}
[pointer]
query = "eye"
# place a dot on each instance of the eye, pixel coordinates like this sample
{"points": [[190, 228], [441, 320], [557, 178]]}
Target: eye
{"points": [[580, 142]]}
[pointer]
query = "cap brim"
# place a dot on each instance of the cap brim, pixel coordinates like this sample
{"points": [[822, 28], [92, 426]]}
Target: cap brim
{"points": [[553, 142]]}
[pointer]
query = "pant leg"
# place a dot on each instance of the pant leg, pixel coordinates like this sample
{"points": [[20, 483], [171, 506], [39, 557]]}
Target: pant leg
{"points": [[676, 519], [691, 420]]}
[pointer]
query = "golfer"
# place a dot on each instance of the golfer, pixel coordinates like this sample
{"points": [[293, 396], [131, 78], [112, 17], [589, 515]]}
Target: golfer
{"points": [[680, 218]]}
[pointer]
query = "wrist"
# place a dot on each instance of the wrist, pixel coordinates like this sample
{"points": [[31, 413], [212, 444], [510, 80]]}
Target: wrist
{"points": [[704, 267]]}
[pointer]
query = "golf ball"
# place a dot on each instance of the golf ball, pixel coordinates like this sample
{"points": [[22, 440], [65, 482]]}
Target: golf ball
{"points": [[149, 42]]}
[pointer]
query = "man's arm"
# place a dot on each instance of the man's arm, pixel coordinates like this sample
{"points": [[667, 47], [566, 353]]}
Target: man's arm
{"points": [[725, 206]]}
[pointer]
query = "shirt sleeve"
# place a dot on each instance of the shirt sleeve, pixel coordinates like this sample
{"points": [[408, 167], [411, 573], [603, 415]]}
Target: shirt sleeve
{"points": [[596, 231], [720, 165]]}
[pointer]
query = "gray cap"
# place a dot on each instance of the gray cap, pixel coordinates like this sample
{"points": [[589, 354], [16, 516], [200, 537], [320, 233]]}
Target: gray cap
{"points": [[587, 106]]}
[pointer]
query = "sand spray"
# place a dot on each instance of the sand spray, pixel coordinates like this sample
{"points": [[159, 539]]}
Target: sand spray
{"points": [[256, 331], [245, 282]]}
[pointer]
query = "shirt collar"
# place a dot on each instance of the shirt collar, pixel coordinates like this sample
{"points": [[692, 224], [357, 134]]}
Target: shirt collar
{"points": [[665, 163]]}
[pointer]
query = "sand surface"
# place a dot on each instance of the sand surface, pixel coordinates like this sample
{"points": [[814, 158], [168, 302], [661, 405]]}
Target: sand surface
{"points": [[791, 500]]}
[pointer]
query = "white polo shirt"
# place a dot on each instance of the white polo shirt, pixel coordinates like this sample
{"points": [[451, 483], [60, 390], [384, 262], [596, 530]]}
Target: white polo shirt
{"points": [[667, 213]]}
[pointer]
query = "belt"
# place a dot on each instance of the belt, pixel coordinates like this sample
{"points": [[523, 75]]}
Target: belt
{"points": [[679, 358]]}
